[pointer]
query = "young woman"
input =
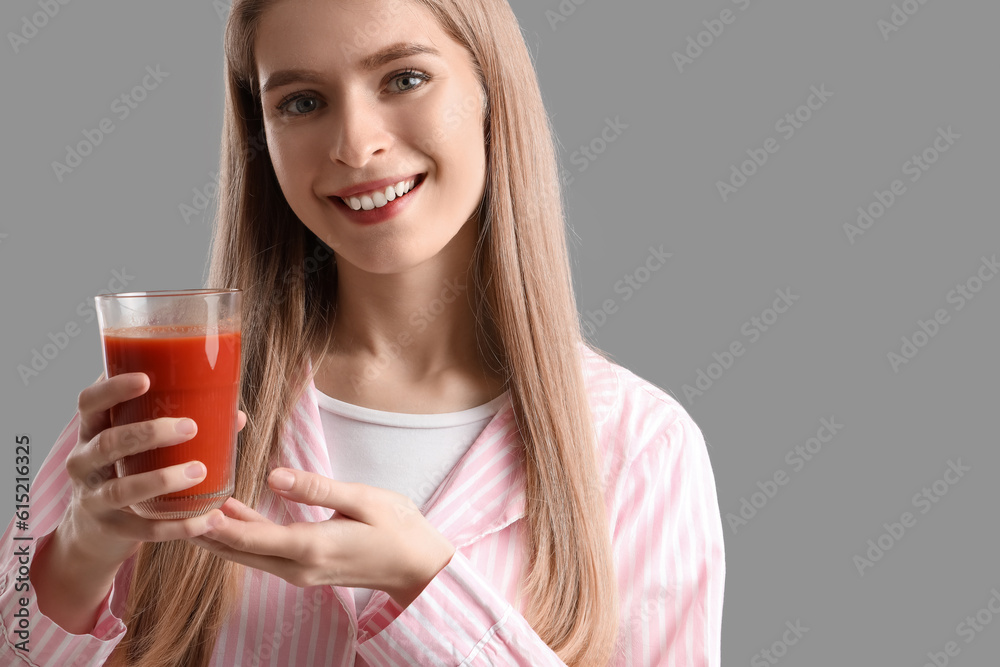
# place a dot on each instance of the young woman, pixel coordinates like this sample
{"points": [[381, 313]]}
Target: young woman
{"points": [[435, 467]]}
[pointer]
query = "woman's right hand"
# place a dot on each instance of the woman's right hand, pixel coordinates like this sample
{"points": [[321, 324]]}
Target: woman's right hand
{"points": [[74, 570], [98, 523]]}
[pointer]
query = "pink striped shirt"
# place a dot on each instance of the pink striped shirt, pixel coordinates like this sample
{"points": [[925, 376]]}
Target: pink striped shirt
{"points": [[666, 532]]}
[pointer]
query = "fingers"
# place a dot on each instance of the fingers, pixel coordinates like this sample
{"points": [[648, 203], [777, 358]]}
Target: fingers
{"points": [[164, 530], [120, 492], [264, 538], [237, 510], [96, 400], [241, 420], [358, 501], [276, 565], [118, 441]]}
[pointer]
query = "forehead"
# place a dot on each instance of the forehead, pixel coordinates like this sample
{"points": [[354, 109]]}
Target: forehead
{"points": [[340, 33]]}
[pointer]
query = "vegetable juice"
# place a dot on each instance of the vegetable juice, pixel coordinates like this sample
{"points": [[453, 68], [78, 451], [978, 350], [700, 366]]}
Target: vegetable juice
{"points": [[192, 374]]}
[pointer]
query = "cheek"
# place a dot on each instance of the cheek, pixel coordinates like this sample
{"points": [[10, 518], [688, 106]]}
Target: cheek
{"points": [[290, 161], [450, 124], [455, 139]]}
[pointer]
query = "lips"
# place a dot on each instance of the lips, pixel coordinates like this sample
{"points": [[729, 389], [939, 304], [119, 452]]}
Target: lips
{"points": [[371, 186], [364, 210], [381, 197]]}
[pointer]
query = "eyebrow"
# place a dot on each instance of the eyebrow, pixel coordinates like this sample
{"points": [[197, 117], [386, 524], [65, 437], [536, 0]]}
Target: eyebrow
{"points": [[367, 64]]}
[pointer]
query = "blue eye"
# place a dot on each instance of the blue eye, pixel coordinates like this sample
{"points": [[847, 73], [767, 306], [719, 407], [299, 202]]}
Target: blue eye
{"points": [[304, 103], [409, 80], [299, 105]]}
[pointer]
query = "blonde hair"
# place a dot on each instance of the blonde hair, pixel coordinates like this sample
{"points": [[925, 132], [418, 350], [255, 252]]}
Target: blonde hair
{"points": [[528, 329]]}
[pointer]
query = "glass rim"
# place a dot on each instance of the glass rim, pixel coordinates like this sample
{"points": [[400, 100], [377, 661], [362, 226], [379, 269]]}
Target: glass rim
{"points": [[163, 293]]}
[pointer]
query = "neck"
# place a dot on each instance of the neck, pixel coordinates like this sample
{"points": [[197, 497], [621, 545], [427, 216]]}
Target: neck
{"points": [[413, 324]]}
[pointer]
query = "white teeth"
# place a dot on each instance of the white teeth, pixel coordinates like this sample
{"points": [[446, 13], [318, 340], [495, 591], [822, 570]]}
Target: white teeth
{"points": [[379, 198]]}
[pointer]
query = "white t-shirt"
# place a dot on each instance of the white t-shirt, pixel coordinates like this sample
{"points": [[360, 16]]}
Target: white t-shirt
{"points": [[410, 454]]}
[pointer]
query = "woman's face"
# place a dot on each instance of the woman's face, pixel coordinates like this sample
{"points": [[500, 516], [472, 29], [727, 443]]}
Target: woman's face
{"points": [[365, 94]]}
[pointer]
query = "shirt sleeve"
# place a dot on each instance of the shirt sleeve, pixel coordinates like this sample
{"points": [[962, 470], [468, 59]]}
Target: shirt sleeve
{"points": [[459, 619], [29, 636], [669, 552], [668, 549]]}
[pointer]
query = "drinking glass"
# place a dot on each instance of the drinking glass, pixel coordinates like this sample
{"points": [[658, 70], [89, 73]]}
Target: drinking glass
{"points": [[188, 343]]}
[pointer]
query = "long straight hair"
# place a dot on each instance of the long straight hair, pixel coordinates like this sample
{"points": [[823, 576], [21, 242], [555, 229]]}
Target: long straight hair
{"points": [[528, 329]]}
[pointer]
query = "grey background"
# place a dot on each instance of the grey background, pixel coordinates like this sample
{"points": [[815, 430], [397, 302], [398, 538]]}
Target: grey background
{"points": [[656, 184]]}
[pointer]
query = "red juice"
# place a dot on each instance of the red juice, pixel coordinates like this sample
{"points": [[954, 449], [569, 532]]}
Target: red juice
{"points": [[192, 374]]}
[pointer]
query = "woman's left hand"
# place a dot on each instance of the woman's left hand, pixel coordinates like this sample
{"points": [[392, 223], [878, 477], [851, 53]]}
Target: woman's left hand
{"points": [[376, 538]]}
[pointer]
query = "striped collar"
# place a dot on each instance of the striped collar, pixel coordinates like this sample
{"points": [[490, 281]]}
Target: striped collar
{"points": [[482, 494]]}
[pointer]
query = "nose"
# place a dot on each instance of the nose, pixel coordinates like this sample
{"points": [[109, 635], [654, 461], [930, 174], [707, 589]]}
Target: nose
{"points": [[360, 135]]}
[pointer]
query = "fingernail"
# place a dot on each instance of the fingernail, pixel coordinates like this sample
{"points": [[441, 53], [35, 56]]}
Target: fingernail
{"points": [[195, 470], [186, 427], [281, 480], [216, 521]]}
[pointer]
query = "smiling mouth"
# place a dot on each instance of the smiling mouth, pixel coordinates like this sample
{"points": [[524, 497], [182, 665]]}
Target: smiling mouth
{"points": [[379, 198]]}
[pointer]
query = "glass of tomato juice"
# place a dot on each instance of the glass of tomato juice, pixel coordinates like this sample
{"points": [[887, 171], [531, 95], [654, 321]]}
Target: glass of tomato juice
{"points": [[188, 343]]}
